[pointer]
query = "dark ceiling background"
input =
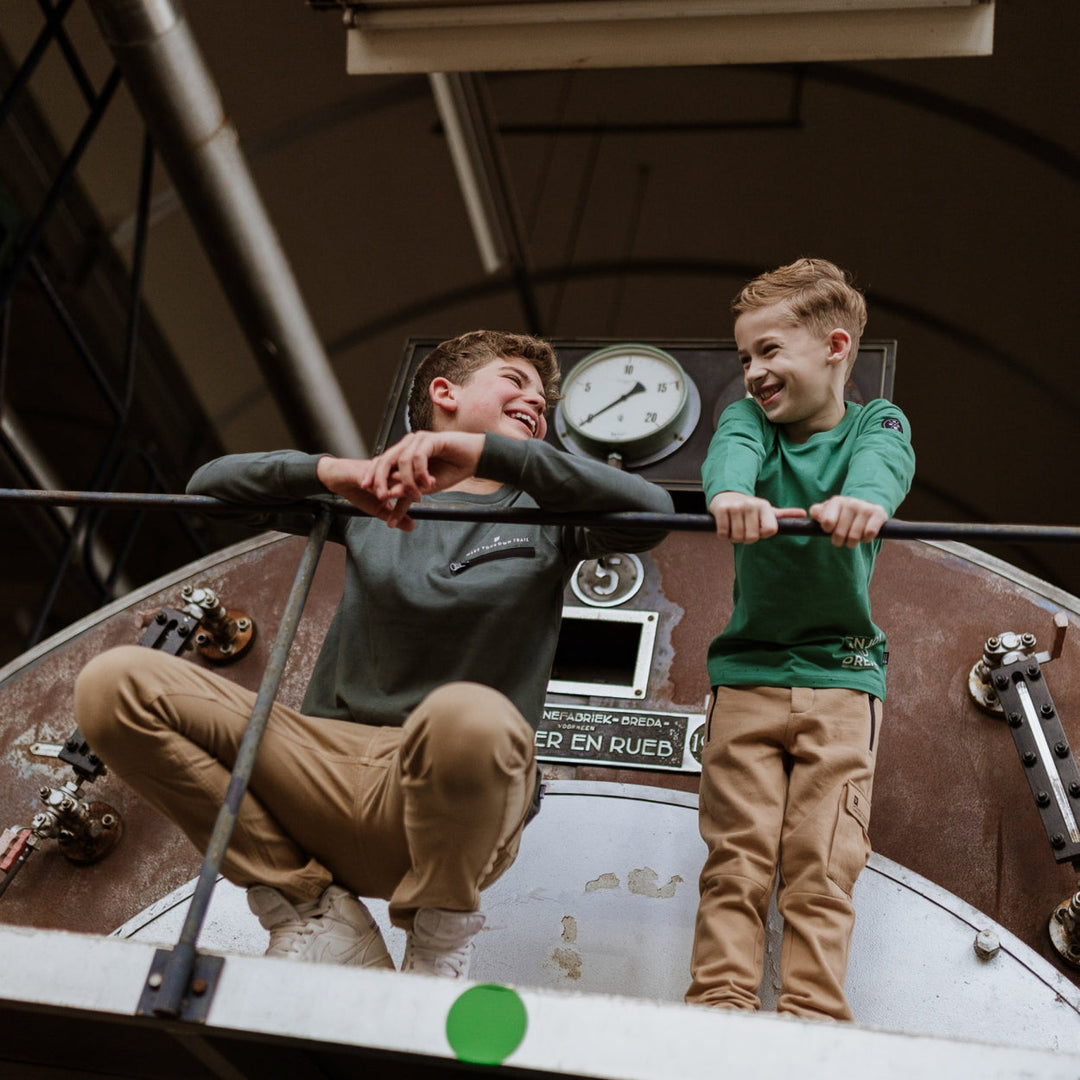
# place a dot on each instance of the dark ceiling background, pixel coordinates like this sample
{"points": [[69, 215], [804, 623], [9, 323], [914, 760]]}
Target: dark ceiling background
{"points": [[948, 186]]}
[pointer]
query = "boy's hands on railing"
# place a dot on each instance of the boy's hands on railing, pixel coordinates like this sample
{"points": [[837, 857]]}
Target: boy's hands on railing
{"points": [[849, 520], [744, 519], [420, 464], [350, 478]]}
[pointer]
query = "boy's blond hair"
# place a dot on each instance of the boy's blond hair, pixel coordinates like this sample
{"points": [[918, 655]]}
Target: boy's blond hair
{"points": [[458, 358], [816, 292]]}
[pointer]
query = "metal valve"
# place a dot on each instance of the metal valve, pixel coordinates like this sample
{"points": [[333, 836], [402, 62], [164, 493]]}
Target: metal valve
{"points": [[223, 635], [86, 831], [1065, 929], [1010, 648]]}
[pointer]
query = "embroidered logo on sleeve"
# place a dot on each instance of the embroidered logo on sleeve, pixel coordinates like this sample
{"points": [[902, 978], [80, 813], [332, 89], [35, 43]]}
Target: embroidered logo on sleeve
{"points": [[892, 424]]}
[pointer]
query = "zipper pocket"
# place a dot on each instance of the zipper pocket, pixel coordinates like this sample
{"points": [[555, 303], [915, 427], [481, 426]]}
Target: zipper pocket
{"points": [[521, 549]]}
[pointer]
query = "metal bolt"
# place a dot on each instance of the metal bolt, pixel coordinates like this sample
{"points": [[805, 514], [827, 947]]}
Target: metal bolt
{"points": [[986, 944], [992, 643], [162, 618], [1047, 709], [1030, 757], [1002, 681], [198, 986], [1027, 640], [1074, 789], [1016, 719], [1042, 798], [187, 590], [1033, 671], [1061, 749], [243, 624], [183, 630], [1057, 841], [108, 820], [45, 792], [154, 981]]}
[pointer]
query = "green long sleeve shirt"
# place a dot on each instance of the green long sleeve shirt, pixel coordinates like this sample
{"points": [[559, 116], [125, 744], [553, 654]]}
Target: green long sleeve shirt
{"points": [[450, 600], [801, 607]]}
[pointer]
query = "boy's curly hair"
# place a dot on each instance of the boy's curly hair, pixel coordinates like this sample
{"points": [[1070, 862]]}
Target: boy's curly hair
{"points": [[816, 292], [458, 358]]}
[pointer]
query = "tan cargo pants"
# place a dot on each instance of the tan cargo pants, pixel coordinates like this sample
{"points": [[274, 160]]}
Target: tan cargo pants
{"points": [[787, 777], [425, 815]]}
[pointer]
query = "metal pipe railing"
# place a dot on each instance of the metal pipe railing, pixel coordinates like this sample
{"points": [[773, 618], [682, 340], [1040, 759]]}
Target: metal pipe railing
{"points": [[176, 975], [968, 532]]}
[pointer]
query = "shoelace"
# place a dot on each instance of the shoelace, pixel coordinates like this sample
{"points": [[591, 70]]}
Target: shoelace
{"points": [[455, 962], [296, 932]]}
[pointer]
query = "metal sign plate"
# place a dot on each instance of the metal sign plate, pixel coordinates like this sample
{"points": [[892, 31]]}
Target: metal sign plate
{"points": [[628, 738]]}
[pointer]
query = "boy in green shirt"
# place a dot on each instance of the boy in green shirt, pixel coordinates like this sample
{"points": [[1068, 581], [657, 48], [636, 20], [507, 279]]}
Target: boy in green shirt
{"points": [[798, 674]]}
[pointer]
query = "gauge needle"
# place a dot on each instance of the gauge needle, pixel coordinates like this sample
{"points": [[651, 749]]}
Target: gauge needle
{"points": [[638, 388]]}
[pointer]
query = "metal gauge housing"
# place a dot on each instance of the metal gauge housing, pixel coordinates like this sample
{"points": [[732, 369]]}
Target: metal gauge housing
{"points": [[633, 401]]}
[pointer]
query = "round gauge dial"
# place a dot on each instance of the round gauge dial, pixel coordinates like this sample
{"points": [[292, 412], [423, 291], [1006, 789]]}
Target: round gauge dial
{"points": [[634, 401]]}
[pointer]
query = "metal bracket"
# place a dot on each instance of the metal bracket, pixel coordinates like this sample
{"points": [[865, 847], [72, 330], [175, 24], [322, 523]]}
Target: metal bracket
{"points": [[171, 631], [76, 752], [196, 1001], [1044, 751]]}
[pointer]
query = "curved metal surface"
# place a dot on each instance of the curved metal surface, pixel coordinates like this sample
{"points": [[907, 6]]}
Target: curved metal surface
{"points": [[613, 913]]}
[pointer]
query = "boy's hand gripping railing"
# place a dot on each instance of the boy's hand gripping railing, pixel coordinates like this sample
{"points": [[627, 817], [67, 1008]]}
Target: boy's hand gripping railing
{"points": [[181, 982]]}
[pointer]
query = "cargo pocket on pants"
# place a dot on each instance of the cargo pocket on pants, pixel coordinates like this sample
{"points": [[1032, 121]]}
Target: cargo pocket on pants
{"points": [[850, 846]]}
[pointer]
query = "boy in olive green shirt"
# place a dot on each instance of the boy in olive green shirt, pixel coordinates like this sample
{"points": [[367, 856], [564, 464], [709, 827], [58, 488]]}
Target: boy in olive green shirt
{"points": [[798, 674]]}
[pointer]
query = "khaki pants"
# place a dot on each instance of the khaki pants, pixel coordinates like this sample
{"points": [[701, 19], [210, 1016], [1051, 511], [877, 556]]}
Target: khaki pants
{"points": [[787, 776], [425, 815]]}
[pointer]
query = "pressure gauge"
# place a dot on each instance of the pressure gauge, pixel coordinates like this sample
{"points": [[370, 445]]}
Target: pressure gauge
{"points": [[633, 402]]}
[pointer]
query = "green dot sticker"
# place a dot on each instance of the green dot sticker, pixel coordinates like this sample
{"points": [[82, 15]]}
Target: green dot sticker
{"points": [[486, 1024]]}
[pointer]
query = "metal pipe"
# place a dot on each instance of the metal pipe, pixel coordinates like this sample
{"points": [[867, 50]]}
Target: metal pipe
{"points": [[969, 532], [181, 963], [180, 104]]}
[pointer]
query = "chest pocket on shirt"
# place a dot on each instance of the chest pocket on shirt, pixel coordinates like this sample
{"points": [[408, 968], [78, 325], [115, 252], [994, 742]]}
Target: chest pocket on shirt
{"points": [[496, 548]]}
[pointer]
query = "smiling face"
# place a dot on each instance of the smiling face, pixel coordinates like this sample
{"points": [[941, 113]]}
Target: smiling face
{"points": [[794, 374], [505, 396]]}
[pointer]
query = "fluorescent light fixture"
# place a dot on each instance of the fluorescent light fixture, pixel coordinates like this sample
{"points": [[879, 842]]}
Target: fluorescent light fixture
{"points": [[389, 36], [463, 108]]}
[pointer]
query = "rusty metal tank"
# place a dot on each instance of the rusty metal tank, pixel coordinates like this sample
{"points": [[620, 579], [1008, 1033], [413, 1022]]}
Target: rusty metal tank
{"points": [[951, 798]]}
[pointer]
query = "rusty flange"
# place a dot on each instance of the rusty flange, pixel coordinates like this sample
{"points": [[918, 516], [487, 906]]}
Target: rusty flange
{"points": [[104, 829]]}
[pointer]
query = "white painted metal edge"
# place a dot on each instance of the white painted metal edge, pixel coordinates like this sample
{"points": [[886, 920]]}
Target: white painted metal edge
{"points": [[585, 1035]]}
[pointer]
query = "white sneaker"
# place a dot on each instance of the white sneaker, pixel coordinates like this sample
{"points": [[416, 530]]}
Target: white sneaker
{"points": [[335, 929], [441, 942]]}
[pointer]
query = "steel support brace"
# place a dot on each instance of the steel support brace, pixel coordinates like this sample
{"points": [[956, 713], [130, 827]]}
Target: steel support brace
{"points": [[180, 983], [1044, 750]]}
